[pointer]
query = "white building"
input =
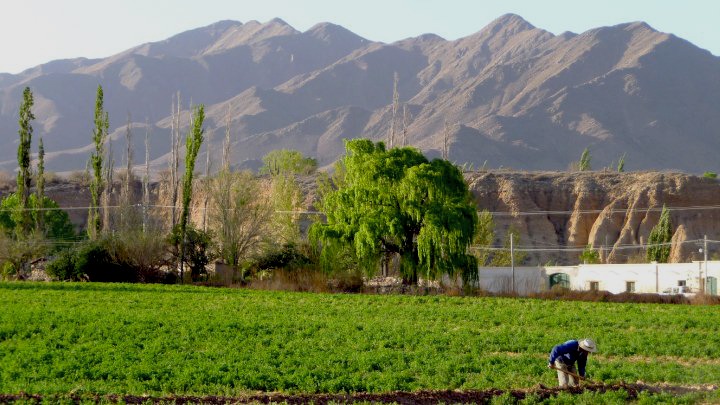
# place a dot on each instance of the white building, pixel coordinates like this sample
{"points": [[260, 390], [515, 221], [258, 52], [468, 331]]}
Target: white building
{"points": [[697, 276]]}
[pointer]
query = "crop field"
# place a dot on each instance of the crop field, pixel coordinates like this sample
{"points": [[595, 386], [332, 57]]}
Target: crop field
{"points": [[122, 339]]}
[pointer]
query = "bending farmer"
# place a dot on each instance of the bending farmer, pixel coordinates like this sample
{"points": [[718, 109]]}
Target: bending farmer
{"points": [[564, 356]]}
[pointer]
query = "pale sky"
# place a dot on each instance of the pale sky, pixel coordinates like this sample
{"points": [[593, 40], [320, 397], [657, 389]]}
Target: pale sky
{"points": [[38, 31]]}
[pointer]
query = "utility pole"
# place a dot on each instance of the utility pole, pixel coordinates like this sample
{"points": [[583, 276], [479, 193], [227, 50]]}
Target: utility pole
{"points": [[512, 264], [705, 259]]}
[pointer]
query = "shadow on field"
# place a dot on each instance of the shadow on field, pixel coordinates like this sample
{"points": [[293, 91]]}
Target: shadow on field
{"points": [[538, 393], [104, 287]]}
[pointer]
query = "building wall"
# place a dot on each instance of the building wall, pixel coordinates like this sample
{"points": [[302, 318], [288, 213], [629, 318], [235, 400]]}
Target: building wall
{"points": [[647, 278]]}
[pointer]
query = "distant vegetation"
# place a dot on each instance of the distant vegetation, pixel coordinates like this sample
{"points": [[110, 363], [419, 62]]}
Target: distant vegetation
{"points": [[415, 218]]}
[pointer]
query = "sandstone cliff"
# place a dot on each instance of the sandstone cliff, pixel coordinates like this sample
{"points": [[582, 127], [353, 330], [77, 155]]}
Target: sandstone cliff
{"points": [[613, 212]]}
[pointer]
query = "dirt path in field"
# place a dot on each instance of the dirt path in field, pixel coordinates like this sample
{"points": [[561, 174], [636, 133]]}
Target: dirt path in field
{"points": [[418, 397]]}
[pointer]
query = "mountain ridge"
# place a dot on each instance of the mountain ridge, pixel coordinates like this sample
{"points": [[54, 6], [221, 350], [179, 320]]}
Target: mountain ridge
{"points": [[511, 94]]}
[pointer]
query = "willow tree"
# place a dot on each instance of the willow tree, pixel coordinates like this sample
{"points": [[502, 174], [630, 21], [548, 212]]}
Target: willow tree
{"points": [[396, 203]]}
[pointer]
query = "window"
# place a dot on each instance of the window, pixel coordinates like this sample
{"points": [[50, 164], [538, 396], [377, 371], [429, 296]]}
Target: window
{"points": [[681, 283], [561, 280], [594, 286], [630, 286]]}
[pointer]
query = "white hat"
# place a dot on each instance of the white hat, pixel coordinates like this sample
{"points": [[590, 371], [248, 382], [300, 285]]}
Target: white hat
{"points": [[588, 345]]}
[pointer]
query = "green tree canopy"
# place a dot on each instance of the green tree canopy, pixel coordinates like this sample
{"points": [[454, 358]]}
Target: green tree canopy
{"points": [[660, 238], [504, 257], [484, 237], [285, 161], [56, 221], [97, 186], [584, 163], [284, 165], [396, 202], [590, 255], [24, 176]]}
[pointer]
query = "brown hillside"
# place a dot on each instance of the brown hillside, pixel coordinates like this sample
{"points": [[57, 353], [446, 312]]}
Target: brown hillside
{"points": [[514, 95]]}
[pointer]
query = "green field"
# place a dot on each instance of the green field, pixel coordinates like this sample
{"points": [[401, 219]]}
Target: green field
{"points": [[58, 338]]}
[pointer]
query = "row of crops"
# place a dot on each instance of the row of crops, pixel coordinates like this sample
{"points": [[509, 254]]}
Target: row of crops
{"points": [[150, 339]]}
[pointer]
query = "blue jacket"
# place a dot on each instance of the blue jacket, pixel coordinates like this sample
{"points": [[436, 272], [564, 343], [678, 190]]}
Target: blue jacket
{"points": [[569, 353]]}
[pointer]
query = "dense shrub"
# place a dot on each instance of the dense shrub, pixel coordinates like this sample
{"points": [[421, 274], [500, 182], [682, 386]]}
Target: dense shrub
{"points": [[90, 261], [63, 267], [200, 250], [289, 257], [145, 253]]}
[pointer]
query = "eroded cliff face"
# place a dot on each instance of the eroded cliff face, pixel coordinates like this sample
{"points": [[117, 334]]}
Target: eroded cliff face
{"points": [[614, 212]]}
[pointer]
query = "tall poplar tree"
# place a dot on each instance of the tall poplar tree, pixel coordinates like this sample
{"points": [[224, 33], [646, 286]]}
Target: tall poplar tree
{"points": [[100, 132], [24, 176], [192, 148], [584, 164], [660, 238], [41, 188]]}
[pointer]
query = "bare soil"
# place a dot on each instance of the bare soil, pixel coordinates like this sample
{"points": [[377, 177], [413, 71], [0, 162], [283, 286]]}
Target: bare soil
{"points": [[398, 397]]}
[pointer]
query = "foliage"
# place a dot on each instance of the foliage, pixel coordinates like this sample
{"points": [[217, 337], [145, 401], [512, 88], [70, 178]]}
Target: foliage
{"points": [[621, 164], [286, 197], [660, 238], [17, 253], [123, 257], [40, 221], [284, 166], [590, 255], [196, 249], [58, 227], [502, 257], [484, 237], [192, 146], [24, 176], [584, 163], [396, 203], [240, 214], [327, 183], [285, 161], [710, 175], [144, 253], [100, 133], [155, 340], [90, 261], [287, 257]]}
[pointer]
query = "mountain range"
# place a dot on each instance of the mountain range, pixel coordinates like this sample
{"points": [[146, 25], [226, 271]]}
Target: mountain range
{"points": [[511, 95]]}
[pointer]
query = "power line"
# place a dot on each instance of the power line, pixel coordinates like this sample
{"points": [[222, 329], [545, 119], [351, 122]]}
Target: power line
{"points": [[581, 249], [599, 211], [494, 213]]}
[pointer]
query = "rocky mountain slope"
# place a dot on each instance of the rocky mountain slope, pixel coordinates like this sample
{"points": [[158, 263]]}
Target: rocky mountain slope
{"points": [[512, 95]]}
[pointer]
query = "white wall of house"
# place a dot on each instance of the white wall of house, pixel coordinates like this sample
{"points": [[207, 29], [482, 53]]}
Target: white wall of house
{"points": [[615, 278], [527, 279]]}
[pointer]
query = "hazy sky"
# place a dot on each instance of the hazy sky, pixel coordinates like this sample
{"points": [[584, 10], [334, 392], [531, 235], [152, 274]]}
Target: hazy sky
{"points": [[37, 31]]}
